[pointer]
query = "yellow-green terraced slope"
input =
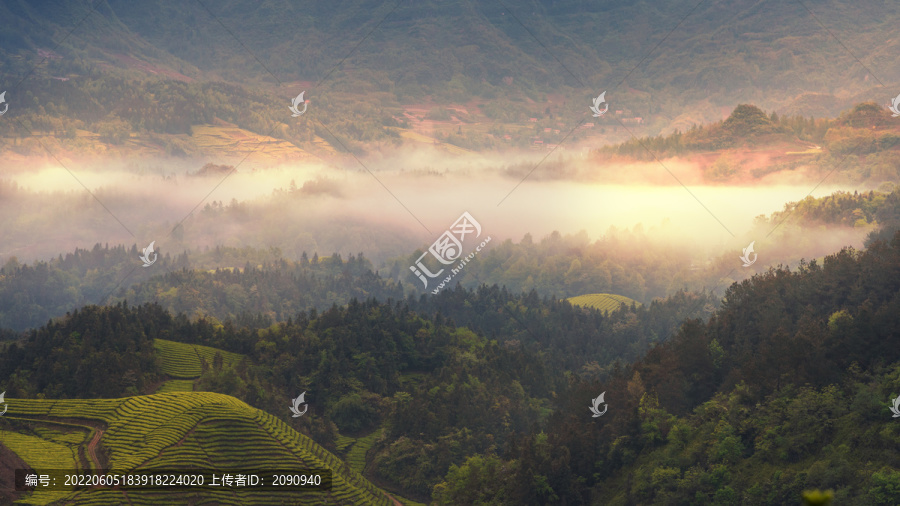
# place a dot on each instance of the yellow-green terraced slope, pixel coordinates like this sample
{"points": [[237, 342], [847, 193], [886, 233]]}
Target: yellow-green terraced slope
{"points": [[602, 301], [356, 456], [182, 361], [176, 386], [175, 430], [42, 451]]}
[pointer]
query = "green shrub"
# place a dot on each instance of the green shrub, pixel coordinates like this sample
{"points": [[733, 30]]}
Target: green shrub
{"points": [[885, 488], [351, 413]]}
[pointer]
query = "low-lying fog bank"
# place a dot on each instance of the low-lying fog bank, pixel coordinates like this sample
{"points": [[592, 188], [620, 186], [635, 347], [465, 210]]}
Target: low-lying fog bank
{"points": [[388, 206]]}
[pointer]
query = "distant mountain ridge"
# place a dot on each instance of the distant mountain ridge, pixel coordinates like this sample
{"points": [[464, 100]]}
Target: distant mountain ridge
{"points": [[774, 55]]}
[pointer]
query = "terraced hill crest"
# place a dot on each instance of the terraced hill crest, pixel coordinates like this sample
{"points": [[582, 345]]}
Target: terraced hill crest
{"points": [[184, 363], [602, 301]]}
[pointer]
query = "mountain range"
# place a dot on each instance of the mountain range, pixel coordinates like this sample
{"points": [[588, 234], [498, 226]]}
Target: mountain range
{"points": [[672, 63]]}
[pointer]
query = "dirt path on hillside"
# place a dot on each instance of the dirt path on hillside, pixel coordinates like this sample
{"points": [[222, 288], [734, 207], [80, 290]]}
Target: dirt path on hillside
{"points": [[396, 502], [88, 452], [92, 448]]}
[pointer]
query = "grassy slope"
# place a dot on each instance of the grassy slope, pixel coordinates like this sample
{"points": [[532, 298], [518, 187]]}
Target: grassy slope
{"points": [[181, 430]]}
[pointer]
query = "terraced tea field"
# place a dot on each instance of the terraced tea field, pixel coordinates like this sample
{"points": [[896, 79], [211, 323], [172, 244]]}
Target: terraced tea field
{"points": [[602, 301], [182, 361], [178, 430], [356, 456], [343, 442], [48, 448], [43, 452]]}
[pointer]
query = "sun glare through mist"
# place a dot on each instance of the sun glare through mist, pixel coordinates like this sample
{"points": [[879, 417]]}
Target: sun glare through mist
{"points": [[310, 197]]}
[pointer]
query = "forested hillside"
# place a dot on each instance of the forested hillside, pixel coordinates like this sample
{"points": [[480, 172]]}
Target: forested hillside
{"points": [[592, 342], [400, 365], [785, 388], [862, 142], [257, 288], [702, 414]]}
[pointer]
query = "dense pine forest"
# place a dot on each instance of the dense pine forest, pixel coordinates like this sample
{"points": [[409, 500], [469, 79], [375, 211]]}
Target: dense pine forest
{"points": [[403, 364], [785, 388]]}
